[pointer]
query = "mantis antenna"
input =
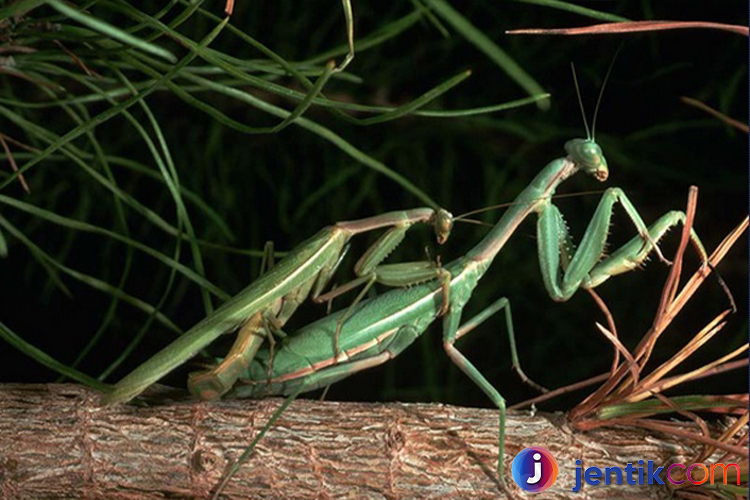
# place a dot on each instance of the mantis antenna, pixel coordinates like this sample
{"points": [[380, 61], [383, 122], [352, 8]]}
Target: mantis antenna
{"points": [[580, 101], [591, 134], [601, 90]]}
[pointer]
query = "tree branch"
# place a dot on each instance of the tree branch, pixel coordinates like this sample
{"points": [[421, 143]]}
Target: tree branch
{"points": [[56, 441]]}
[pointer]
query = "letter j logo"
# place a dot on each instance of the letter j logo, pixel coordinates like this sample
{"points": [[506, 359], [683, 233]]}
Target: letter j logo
{"points": [[534, 469]]}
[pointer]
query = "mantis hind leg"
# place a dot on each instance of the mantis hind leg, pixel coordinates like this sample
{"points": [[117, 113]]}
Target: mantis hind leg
{"points": [[212, 384]]}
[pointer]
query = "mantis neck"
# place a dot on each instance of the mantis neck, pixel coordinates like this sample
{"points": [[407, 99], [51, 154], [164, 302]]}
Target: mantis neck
{"points": [[532, 199]]}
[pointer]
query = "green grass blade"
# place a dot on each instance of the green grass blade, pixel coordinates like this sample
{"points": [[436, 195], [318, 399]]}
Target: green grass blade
{"points": [[420, 101], [273, 56], [136, 339], [271, 109], [484, 109], [88, 280], [20, 8], [111, 31], [171, 178], [323, 132], [315, 90], [3, 246], [576, 9], [376, 38]]}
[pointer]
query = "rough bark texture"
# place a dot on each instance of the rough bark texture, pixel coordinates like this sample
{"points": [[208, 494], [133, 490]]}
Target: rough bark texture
{"points": [[56, 441]]}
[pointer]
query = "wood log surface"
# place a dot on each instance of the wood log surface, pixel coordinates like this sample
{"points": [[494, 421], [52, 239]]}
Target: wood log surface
{"points": [[57, 441]]}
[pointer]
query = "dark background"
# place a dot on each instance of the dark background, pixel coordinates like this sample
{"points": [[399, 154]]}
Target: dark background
{"points": [[284, 187]]}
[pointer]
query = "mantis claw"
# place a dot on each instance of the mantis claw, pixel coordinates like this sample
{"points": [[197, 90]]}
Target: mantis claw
{"points": [[648, 240], [661, 255]]}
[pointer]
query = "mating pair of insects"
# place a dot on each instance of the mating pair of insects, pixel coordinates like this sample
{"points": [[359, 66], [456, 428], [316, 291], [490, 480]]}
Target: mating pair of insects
{"points": [[372, 331]]}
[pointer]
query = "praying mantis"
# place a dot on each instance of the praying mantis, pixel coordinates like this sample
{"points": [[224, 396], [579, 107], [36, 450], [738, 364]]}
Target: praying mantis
{"points": [[267, 303], [381, 328]]}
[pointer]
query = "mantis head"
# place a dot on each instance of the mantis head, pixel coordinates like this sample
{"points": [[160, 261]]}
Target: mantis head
{"points": [[588, 156], [443, 225]]}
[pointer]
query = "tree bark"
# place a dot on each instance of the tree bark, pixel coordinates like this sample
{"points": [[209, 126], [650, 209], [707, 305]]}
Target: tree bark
{"points": [[57, 441]]}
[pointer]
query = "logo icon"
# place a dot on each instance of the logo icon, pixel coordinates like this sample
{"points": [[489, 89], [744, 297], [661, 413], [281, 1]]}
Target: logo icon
{"points": [[534, 469]]}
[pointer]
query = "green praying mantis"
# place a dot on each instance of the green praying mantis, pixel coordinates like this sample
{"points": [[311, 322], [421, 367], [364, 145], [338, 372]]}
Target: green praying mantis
{"points": [[379, 329], [267, 303]]}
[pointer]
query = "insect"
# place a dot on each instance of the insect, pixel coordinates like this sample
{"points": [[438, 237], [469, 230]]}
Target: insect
{"points": [[381, 328], [268, 302]]}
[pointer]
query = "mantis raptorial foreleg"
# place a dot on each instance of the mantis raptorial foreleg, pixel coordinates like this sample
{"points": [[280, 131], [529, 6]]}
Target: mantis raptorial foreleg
{"points": [[633, 253], [583, 268]]}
